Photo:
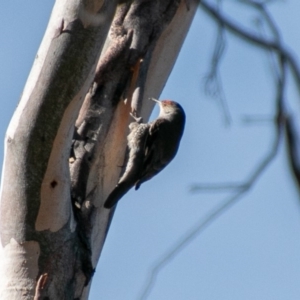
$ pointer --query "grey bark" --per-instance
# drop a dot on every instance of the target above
(67, 139)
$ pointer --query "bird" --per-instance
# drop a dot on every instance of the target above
(152, 146)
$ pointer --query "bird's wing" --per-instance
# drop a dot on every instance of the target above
(153, 159)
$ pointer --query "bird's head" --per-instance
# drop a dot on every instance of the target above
(168, 107)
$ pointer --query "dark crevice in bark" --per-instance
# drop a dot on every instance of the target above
(134, 33)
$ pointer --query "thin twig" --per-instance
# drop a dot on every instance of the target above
(261, 7)
(219, 187)
(267, 18)
(248, 36)
(213, 82)
(255, 119)
(293, 146)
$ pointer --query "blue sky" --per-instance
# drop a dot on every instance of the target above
(252, 250)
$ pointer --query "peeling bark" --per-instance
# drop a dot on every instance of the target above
(66, 142)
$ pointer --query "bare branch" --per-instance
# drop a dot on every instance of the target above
(213, 81)
(248, 36)
(261, 7)
(206, 187)
(293, 145)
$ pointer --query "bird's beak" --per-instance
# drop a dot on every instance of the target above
(155, 100)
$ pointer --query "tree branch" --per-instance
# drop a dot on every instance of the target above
(248, 36)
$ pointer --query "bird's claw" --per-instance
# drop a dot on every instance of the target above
(137, 119)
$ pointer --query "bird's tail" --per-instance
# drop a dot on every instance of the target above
(118, 192)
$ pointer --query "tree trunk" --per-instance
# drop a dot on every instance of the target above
(98, 61)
